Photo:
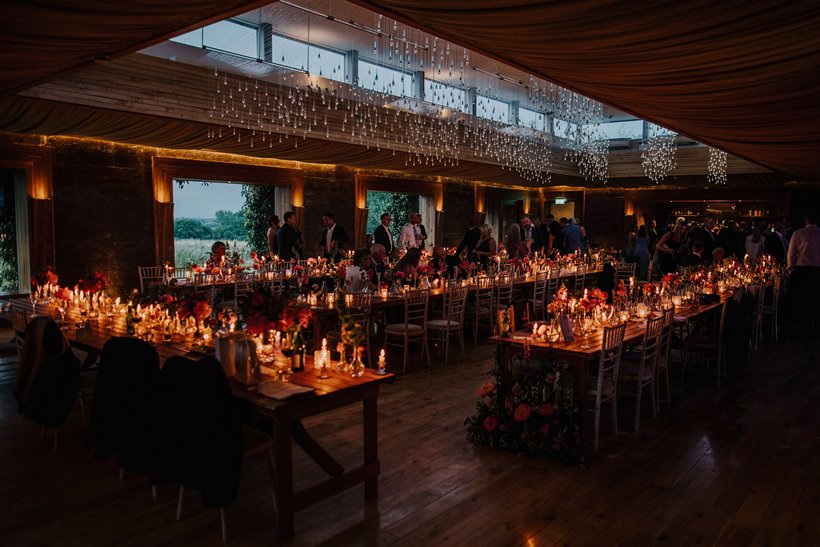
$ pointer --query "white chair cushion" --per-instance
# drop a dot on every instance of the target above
(399, 328)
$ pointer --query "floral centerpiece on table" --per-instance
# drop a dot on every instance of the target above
(262, 311)
(44, 282)
(93, 284)
(352, 335)
(527, 408)
(620, 292)
(594, 299)
(197, 307)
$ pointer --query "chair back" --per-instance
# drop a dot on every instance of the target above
(242, 287)
(539, 290)
(625, 270)
(19, 321)
(504, 290)
(553, 284)
(485, 292)
(666, 335)
(182, 273)
(148, 274)
(611, 348)
(455, 301)
(124, 404)
(415, 306)
(276, 285)
(580, 279)
(651, 343)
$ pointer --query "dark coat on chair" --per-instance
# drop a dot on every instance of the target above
(199, 443)
(123, 411)
(48, 376)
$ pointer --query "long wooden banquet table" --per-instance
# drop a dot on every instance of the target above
(328, 394)
(585, 350)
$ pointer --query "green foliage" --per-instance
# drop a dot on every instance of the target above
(8, 241)
(188, 228)
(397, 205)
(259, 206)
(230, 226)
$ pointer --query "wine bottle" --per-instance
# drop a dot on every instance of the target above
(129, 323)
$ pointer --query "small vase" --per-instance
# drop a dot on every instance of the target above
(356, 367)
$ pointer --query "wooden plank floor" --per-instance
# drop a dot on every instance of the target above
(736, 467)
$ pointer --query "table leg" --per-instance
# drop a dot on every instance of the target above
(284, 475)
(371, 445)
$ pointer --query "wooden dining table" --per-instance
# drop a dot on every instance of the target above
(328, 394)
(583, 351)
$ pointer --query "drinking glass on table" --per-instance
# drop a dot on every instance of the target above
(62, 309)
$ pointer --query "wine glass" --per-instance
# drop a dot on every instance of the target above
(62, 309)
(33, 298)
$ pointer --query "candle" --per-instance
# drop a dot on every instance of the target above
(642, 310)
(382, 363)
(534, 331)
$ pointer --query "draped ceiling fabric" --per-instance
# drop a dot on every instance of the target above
(41, 40)
(742, 75)
(739, 75)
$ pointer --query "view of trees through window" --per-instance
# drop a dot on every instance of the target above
(397, 205)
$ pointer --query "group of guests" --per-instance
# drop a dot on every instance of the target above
(285, 241)
(688, 245)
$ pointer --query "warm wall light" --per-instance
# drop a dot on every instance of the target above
(297, 196)
(526, 204)
(38, 187)
(479, 199)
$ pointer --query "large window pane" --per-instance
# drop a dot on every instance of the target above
(492, 109)
(233, 37)
(445, 95)
(631, 129)
(385, 80)
(532, 119)
(308, 57)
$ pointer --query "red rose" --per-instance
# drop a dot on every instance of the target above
(490, 424)
(545, 429)
(523, 412)
(545, 410)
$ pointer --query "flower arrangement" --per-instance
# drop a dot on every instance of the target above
(596, 298)
(649, 289)
(198, 307)
(513, 412)
(295, 316)
(46, 276)
(262, 311)
(93, 284)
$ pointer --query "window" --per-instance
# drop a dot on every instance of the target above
(445, 95)
(385, 80)
(305, 56)
(630, 129)
(492, 109)
(230, 36)
(532, 119)
(564, 129)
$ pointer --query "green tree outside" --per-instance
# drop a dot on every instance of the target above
(230, 226)
(398, 206)
(259, 206)
(188, 228)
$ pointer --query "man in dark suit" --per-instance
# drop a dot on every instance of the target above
(695, 258)
(470, 239)
(333, 239)
(382, 234)
(706, 235)
(290, 240)
(530, 235)
(776, 243)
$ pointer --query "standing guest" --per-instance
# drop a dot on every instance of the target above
(289, 238)
(755, 243)
(333, 238)
(776, 243)
(486, 247)
(556, 241)
(718, 254)
(706, 235)
(413, 234)
(515, 247)
(726, 237)
(378, 256)
(582, 232)
(530, 235)
(652, 232)
(382, 234)
(572, 236)
(470, 239)
(408, 263)
(803, 259)
(273, 228)
(667, 248)
(642, 251)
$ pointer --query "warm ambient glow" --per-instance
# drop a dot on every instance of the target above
(38, 187)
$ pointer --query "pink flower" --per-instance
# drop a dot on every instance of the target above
(523, 412)
(490, 424)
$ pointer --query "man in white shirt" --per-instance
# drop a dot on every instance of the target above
(803, 259)
(334, 237)
(412, 235)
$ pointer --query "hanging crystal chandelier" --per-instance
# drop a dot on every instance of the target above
(717, 166)
(658, 152)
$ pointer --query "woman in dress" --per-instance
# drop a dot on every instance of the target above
(513, 242)
(556, 241)
(357, 278)
(408, 263)
(273, 228)
(755, 243)
(486, 246)
(667, 248)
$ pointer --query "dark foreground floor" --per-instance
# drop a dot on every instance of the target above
(738, 467)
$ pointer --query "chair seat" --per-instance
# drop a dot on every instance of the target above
(631, 370)
(255, 441)
(399, 328)
(607, 387)
(443, 324)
